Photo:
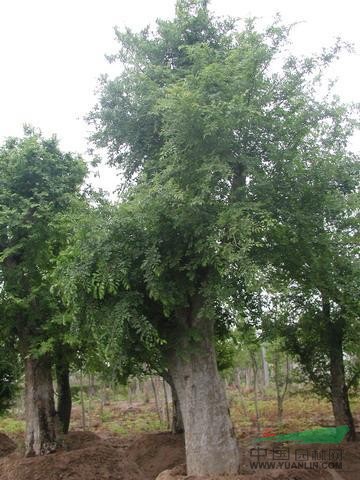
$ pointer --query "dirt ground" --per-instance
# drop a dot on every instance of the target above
(148, 456)
(86, 456)
(6, 445)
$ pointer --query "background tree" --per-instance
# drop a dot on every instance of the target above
(314, 248)
(280, 363)
(37, 184)
(296, 318)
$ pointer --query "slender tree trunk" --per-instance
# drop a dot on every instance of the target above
(210, 443)
(265, 367)
(247, 378)
(137, 388)
(241, 396)
(156, 399)
(277, 379)
(40, 436)
(177, 425)
(255, 371)
(83, 421)
(280, 402)
(64, 394)
(130, 390)
(90, 394)
(287, 379)
(339, 391)
(166, 404)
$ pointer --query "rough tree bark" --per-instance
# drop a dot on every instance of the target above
(339, 389)
(40, 436)
(339, 393)
(210, 443)
(64, 395)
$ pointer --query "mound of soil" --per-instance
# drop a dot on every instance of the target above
(99, 462)
(6, 445)
(155, 452)
(86, 456)
(78, 440)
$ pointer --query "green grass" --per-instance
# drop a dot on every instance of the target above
(11, 426)
(302, 411)
(105, 417)
(136, 423)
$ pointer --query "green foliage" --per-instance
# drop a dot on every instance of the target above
(12, 426)
(38, 183)
(9, 375)
(198, 109)
(100, 282)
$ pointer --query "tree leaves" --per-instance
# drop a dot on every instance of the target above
(37, 183)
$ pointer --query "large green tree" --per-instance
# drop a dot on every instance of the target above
(37, 184)
(200, 120)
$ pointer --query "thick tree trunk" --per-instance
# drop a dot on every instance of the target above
(40, 409)
(64, 395)
(339, 391)
(210, 443)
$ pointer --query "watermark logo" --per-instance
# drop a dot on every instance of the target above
(302, 458)
(319, 435)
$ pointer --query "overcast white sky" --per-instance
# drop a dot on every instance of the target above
(52, 51)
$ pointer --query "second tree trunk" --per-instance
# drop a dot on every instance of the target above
(339, 392)
(64, 395)
(338, 388)
(40, 409)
